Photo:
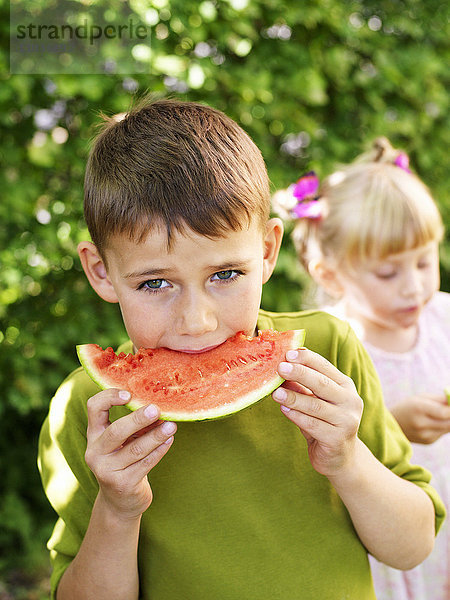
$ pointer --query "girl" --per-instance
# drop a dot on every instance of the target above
(370, 239)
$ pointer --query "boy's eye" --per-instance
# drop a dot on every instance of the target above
(224, 274)
(154, 284)
(229, 274)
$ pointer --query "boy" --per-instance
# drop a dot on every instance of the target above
(177, 204)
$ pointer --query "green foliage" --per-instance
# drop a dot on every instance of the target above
(312, 82)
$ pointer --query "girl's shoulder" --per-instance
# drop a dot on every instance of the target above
(434, 323)
(441, 298)
(439, 307)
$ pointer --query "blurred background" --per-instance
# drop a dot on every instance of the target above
(313, 83)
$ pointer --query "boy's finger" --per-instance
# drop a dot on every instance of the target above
(315, 361)
(121, 430)
(98, 408)
(139, 449)
(296, 387)
(305, 403)
(315, 373)
(141, 468)
(145, 430)
(321, 385)
(312, 428)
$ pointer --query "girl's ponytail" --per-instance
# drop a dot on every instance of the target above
(382, 151)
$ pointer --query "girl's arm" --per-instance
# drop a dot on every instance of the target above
(120, 455)
(393, 517)
(424, 418)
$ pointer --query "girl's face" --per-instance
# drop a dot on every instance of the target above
(390, 294)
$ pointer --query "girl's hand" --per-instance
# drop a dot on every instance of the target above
(120, 454)
(424, 418)
(324, 405)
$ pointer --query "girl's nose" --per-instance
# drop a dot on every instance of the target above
(411, 283)
(196, 315)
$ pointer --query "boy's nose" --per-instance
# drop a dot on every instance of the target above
(196, 315)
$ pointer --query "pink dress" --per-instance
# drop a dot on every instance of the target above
(425, 368)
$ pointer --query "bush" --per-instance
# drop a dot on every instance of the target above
(312, 83)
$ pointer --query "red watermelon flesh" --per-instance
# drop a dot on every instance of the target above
(194, 387)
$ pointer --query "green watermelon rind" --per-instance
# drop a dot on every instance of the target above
(447, 394)
(225, 410)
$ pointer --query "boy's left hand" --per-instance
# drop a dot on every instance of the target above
(324, 405)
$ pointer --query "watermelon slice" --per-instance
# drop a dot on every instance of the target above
(195, 387)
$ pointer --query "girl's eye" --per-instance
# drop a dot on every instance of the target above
(229, 275)
(385, 275)
(153, 285)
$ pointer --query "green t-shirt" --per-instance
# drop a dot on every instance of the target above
(238, 511)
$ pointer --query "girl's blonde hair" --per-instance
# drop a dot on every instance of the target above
(369, 209)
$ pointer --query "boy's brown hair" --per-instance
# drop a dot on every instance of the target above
(175, 164)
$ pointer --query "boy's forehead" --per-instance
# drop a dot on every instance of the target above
(186, 243)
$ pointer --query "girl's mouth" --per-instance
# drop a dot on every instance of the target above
(410, 309)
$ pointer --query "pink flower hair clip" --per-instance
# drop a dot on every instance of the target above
(402, 161)
(305, 192)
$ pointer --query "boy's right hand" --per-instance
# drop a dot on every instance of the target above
(424, 418)
(121, 454)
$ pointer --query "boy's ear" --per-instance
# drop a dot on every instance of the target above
(96, 272)
(326, 276)
(272, 244)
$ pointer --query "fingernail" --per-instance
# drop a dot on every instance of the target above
(285, 409)
(291, 354)
(168, 428)
(280, 394)
(124, 395)
(285, 368)
(151, 411)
